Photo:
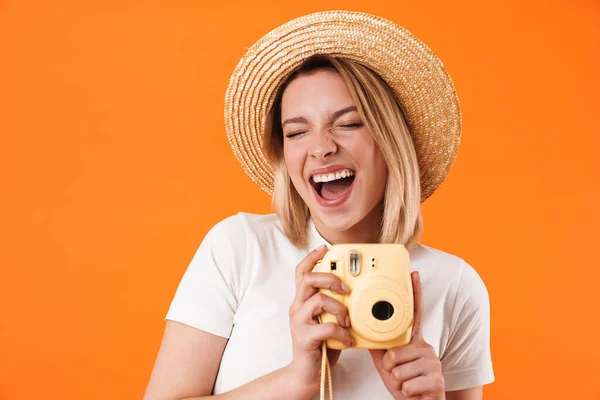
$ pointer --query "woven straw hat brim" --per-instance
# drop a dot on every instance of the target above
(416, 75)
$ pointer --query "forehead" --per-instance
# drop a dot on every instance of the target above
(321, 92)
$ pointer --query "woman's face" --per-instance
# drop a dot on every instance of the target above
(332, 158)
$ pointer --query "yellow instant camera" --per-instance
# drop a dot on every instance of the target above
(380, 302)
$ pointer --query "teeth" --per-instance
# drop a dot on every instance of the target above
(332, 176)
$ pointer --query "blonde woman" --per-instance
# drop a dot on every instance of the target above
(350, 123)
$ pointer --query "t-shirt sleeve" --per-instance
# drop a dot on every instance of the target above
(467, 360)
(206, 296)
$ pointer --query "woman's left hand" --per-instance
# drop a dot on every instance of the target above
(412, 371)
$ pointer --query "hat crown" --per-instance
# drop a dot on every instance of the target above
(415, 74)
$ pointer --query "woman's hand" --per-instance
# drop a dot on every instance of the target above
(412, 371)
(307, 332)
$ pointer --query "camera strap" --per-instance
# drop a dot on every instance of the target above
(325, 370)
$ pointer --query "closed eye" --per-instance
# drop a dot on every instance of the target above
(294, 134)
(352, 126)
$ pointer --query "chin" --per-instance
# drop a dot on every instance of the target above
(337, 221)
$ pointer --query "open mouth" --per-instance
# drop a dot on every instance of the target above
(333, 185)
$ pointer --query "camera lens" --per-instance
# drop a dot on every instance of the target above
(382, 310)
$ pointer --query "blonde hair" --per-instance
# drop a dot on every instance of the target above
(382, 114)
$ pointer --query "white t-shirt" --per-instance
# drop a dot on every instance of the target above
(240, 285)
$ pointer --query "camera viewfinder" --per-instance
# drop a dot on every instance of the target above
(354, 263)
(333, 265)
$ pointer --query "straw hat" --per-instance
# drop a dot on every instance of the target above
(415, 74)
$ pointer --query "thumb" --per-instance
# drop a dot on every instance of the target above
(417, 333)
(377, 355)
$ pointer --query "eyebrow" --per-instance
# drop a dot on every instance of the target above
(341, 112)
(334, 116)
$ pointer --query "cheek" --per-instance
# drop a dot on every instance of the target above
(369, 156)
(293, 161)
(288, 156)
(381, 166)
(380, 169)
(366, 151)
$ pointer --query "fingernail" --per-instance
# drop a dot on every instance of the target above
(347, 322)
(345, 288)
(320, 248)
(352, 343)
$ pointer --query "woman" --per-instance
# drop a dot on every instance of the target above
(359, 123)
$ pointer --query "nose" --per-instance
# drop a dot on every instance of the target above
(322, 146)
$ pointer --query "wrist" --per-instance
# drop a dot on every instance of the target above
(299, 389)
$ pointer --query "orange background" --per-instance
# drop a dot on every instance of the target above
(114, 164)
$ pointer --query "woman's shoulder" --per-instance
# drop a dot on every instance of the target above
(257, 222)
(245, 226)
(443, 266)
(428, 257)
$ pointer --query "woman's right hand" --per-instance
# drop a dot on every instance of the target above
(307, 332)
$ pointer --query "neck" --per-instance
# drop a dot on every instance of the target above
(368, 230)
